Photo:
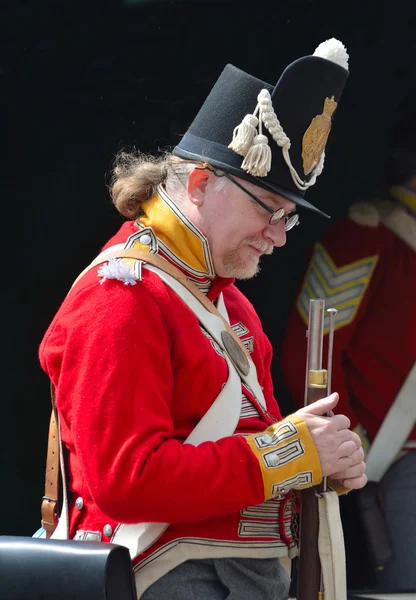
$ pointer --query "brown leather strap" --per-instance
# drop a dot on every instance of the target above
(49, 507)
(168, 268)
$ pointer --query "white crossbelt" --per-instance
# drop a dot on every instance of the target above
(394, 431)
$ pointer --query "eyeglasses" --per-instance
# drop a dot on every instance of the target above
(276, 215)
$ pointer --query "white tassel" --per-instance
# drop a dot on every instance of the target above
(244, 134)
(258, 160)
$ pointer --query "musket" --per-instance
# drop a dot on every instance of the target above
(309, 578)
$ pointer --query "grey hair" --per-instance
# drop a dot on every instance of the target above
(135, 177)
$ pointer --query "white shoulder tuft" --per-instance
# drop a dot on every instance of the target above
(333, 50)
(116, 268)
(364, 214)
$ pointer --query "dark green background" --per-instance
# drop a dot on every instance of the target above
(78, 81)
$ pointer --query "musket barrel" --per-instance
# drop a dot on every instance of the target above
(309, 583)
(314, 336)
(315, 333)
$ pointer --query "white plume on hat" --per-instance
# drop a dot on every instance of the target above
(333, 50)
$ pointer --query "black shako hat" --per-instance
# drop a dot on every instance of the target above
(273, 137)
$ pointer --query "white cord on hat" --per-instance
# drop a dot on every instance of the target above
(255, 146)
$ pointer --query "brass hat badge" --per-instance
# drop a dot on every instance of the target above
(315, 137)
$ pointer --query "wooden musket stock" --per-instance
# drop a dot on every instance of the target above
(317, 384)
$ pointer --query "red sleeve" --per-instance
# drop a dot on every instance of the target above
(116, 412)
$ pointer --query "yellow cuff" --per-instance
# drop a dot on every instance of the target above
(287, 457)
(337, 487)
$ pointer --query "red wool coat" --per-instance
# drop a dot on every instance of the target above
(134, 372)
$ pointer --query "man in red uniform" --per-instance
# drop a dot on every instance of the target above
(365, 266)
(176, 446)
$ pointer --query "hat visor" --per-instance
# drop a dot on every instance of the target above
(237, 172)
(289, 195)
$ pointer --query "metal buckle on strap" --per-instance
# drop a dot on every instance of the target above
(49, 513)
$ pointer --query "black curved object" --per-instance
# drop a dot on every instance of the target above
(40, 569)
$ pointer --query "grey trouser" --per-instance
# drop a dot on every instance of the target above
(398, 488)
(221, 579)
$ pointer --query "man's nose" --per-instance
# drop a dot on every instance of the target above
(276, 233)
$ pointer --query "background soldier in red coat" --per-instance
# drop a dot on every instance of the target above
(365, 266)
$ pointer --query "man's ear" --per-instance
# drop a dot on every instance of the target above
(197, 185)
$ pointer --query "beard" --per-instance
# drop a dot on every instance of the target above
(242, 262)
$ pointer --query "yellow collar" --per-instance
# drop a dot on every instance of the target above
(404, 196)
(175, 237)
